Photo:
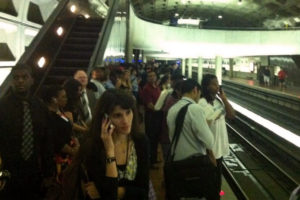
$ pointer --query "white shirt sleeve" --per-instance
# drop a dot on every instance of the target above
(161, 99)
(200, 127)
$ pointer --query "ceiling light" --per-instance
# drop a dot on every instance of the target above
(30, 32)
(220, 16)
(240, 2)
(189, 21)
(176, 14)
(59, 31)
(87, 16)
(73, 8)
(297, 19)
(41, 63)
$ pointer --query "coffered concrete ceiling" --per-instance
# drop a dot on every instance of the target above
(266, 14)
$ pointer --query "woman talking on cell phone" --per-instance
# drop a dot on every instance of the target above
(216, 107)
(115, 155)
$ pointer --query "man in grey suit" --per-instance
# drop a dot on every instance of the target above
(88, 99)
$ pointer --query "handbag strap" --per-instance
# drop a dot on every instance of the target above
(178, 128)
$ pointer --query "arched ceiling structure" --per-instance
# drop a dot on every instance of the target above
(236, 14)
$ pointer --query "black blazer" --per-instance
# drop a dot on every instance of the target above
(108, 187)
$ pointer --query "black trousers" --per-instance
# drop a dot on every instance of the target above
(153, 122)
(219, 173)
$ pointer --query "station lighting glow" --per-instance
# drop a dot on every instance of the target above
(73, 8)
(60, 31)
(220, 16)
(188, 21)
(30, 32)
(176, 14)
(278, 130)
(41, 62)
(87, 16)
(8, 27)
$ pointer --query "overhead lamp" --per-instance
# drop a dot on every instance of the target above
(59, 31)
(297, 19)
(41, 62)
(220, 16)
(188, 21)
(73, 8)
(31, 32)
(240, 2)
(87, 16)
(176, 14)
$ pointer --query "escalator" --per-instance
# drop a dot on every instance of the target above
(81, 47)
(76, 52)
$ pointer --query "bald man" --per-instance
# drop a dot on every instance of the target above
(88, 99)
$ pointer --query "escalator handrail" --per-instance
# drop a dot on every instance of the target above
(98, 53)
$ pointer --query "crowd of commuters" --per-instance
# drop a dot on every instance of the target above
(96, 125)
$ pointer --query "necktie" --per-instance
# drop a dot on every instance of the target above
(85, 106)
(27, 138)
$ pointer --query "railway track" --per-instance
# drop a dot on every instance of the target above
(257, 169)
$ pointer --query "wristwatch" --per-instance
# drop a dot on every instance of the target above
(110, 159)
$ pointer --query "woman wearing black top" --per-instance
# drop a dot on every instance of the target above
(116, 155)
(64, 145)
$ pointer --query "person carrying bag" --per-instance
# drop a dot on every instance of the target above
(194, 176)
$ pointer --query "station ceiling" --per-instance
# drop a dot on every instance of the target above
(257, 14)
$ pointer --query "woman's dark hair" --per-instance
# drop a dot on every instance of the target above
(163, 80)
(71, 87)
(206, 79)
(49, 92)
(106, 104)
(176, 88)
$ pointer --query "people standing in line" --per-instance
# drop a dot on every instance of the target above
(153, 118)
(267, 75)
(26, 147)
(65, 145)
(116, 155)
(97, 77)
(87, 99)
(134, 78)
(196, 137)
(170, 101)
(216, 107)
(72, 109)
(282, 75)
(166, 90)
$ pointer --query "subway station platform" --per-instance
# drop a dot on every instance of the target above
(157, 178)
(289, 90)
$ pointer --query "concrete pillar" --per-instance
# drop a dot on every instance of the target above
(200, 69)
(190, 68)
(183, 66)
(218, 69)
(231, 63)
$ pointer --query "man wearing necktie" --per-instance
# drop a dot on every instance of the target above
(87, 99)
(25, 143)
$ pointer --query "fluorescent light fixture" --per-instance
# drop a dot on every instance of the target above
(31, 32)
(297, 19)
(4, 73)
(189, 21)
(220, 16)
(60, 31)
(278, 130)
(7, 64)
(41, 62)
(73, 8)
(8, 27)
(87, 16)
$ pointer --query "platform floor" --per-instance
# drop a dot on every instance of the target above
(289, 90)
(156, 176)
